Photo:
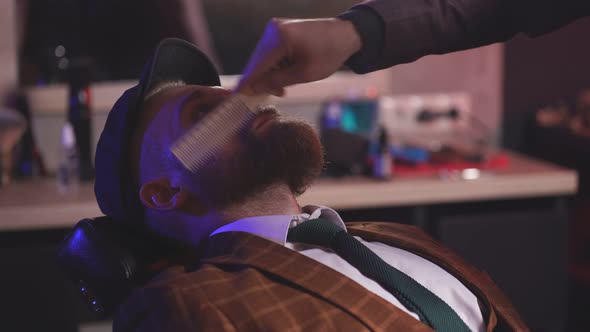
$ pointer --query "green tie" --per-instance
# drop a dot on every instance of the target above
(415, 297)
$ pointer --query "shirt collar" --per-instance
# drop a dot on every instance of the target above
(275, 227)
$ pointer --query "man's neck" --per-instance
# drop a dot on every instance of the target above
(273, 200)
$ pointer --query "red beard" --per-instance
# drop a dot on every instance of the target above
(289, 152)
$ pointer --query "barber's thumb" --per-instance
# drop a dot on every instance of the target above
(277, 81)
(268, 83)
(253, 87)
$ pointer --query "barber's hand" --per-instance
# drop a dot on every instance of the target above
(293, 51)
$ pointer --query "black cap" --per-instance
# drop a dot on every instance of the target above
(116, 193)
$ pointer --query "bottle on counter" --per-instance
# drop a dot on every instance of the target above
(382, 158)
(68, 168)
(80, 114)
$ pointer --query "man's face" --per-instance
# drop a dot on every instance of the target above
(269, 150)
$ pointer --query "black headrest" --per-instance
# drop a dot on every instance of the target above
(107, 260)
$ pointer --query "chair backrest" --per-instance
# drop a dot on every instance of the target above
(107, 261)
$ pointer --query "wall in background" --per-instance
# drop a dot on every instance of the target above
(8, 59)
(477, 72)
(505, 80)
(543, 70)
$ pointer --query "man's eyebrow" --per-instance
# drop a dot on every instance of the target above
(181, 111)
(195, 94)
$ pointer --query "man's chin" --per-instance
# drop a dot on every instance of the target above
(295, 151)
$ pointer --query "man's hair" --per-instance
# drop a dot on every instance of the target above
(161, 87)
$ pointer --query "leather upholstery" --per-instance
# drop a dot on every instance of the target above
(107, 260)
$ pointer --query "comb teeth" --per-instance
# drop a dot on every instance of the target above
(203, 141)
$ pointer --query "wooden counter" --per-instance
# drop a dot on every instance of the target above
(524, 177)
(37, 205)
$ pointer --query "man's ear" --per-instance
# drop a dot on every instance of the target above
(160, 195)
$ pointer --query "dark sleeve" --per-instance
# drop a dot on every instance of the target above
(371, 29)
(401, 31)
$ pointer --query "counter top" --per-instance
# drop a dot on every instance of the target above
(524, 177)
(37, 205)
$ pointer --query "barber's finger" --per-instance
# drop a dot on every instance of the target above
(268, 54)
(263, 87)
(279, 92)
(263, 81)
(291, 75)
(260, 64)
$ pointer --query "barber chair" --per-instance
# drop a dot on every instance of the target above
(107, 260)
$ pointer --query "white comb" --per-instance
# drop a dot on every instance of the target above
(207, 137)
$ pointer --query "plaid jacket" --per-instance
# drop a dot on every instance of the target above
(247, 283)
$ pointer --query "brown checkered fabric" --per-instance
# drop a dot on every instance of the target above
(247, 283)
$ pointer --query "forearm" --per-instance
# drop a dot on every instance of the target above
(407, 30)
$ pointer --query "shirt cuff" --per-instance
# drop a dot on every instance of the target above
(371, 29)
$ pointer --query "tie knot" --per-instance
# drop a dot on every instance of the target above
(318, 232)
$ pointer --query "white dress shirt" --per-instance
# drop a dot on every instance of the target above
(428, 274)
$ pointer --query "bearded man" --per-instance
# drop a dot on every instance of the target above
(266, 264)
